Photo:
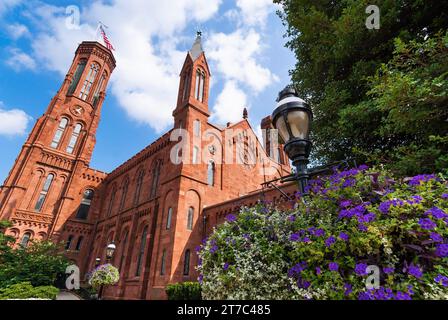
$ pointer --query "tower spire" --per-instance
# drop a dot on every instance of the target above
(196, 49)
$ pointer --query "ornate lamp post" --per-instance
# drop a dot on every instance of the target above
(110, 250)
(292, 119)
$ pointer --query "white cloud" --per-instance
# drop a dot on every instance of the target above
(7, 5)
(144, 33)
(235, 55)
(255, 12)
(19, 60)
(17, 31)
(230, 103)
(13, 122)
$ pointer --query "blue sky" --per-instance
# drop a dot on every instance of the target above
(243, 42)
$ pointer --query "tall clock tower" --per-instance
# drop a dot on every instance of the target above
(40, 190)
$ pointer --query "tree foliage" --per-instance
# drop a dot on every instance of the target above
(379, 94)
(39, 263)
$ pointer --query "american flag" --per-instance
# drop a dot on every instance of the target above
(105, 39)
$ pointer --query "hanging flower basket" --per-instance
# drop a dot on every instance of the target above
(105, 274)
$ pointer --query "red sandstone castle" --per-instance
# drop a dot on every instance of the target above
(156, 210)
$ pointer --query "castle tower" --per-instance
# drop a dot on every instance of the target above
(192, 100)
(58, 149)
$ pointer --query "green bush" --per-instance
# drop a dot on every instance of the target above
(39, 263)
(25, 290)
(184, 291)
(353, 221)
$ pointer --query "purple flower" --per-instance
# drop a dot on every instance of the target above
(443, 280)
(198, 248)
(333, 266)
(444, 196)
(417, 180)
(437, 213)
(318, 270)
(214, 248)
(297, 268)
(369, 217)
(436, 237)
(349, 183)
(348, 289)
(360, 269)
(345, 203)
(306, 239)
(226, 266)
(402, 296)
(319, 232)
(384, 206)
(343, 236)
(442, 250)
(426, 223)
(294, 237)
(330, 240)
(362, 227)
(415, 271)
(231, 217)
(388, 270)
(415, 199)
(292, 218)
(363, 167)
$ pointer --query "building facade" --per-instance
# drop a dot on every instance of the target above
(157, 206)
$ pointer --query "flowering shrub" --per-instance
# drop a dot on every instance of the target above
(105, 274)
(322, 250)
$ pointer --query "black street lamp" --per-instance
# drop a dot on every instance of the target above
(110, 249)
(292, 119)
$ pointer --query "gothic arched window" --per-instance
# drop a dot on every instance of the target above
(88, 82)
(199, 88)
(83, 210)
(111, 201)
(163, 263)
(187, 262)
(168, 218)
(124, 194)
(59, 132)
(77, 75)
(123, 249)
(74, 138)
(142, 251)
(211, 173)
(44, 192)
(197, 128)
(138, 188)
(25, 239)
(79, 243)
(155, 179)
(68, 244)
(186, 89)
(96, 95)
(195, 155)
(190, 217)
